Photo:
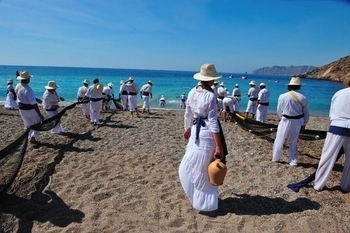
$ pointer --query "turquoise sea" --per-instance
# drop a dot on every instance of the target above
(168, 83)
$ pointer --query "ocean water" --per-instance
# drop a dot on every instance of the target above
(168, 83)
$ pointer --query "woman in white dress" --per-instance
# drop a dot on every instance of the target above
(204, 141)
(10, 102)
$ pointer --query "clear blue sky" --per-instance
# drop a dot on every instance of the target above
(237, 36)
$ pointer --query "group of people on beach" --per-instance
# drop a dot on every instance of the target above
(206, 142)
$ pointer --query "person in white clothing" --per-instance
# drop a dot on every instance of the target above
(132, 89)
(27, 104)
(204, 141)
(162, 101)
(253, 97)
(146, 94)
(183, 99)
(293, 110)
(236, 93)
(108, 95)
(228, 104)
(123, 95)
(10, 101)
(262, 103)
(94, 94)
(50, 104)
(338, 136)
(222, 93)
(80, 95)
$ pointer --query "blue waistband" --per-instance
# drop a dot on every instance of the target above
(199, 121)
(339, 131)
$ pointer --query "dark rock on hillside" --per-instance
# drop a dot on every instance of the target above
(284, 70)
(335, 71)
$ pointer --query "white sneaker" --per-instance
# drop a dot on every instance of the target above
(293, 163)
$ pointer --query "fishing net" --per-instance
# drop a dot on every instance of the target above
(266, 129)
(11, 157)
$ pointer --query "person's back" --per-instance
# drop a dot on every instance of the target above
(339, 113)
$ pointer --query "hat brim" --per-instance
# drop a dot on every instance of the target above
(199, 76)
(20, 78)
(51, 88)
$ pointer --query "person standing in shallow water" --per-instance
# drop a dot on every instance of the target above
(27, 104)
(203, 142)
(293, 110)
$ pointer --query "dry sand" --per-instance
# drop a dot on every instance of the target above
(122, 176)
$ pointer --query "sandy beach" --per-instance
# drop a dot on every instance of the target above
(122, 176)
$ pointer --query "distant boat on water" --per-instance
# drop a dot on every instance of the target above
(245, 76)
(230, 76)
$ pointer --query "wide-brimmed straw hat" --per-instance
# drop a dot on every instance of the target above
(110, 84)
(131, 78)
(207, 73)
(51, 85)
(222, 84)
(98, 87)
(294, 81)
(23, 75)
(262, 85)
(150, 82)
(237, 85)
(252, 83)
(10, 81)
(346, 82)
(86, 81)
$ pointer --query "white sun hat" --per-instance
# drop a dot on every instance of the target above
(207, 73)
(23, 75)
(262, 85)
(51, 85)
(110, 84)
(294, 81)
(86, 81)
(252, 83)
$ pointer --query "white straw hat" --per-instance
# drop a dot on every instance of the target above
(252, 83)
(131, 78)
(262, 85)
(98, 87)
(222, 84)
(110, 84)
(237, 85)
(207, 73)
(51, 85)
(294, 81)
(10, 81)
(86, 81)
(23, 75)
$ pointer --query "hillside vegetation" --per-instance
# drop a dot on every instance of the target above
(335, 71)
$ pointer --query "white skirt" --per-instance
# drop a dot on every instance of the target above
(193, 171)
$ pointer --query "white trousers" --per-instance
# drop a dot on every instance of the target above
(124, 101)
(236, 106)
(58, 128)
(95, 111)
(251, 107)
(331, 147)
(132, 102)
(287, 128)
(30, 117)
(86, 109)
(261, 113)
(145, 102)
